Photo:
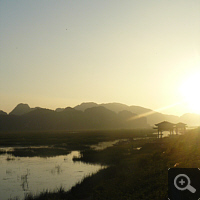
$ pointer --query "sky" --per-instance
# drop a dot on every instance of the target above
(60, 53)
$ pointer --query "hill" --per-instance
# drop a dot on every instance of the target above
(71, 119)
(2, 112)
(84, 106)
(88, 116)
(20, 109)
(191, 119)
(152, 116)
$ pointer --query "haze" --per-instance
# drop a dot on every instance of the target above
(61, 53)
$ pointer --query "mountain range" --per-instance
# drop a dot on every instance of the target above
(88, 115)
(22, 117)
(152, 117)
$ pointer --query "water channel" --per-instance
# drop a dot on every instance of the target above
(22, 175)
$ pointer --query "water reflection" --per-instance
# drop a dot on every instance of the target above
(104, 145)
(23, 175)
(24, 181)
(56, 170)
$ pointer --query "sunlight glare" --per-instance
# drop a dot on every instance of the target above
(190, 92)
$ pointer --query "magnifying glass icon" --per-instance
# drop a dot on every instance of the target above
(182, 182)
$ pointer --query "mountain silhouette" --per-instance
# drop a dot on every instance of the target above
(130, 120)
(2, 112)
(100, 117)
(191, 119)
(59, 109)
(84, 106)
(20, 109)
(116, 107)
(152, 116)
(71, 119)
(88, 116)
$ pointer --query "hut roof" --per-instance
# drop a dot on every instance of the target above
(180, 124)
(165, 123)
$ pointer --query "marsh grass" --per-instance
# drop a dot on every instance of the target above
(141, 174)
(45, 195)
(2, 152)
(68, 138)
(9, 158)
(131, 174)
(62, 142)
(41, 152)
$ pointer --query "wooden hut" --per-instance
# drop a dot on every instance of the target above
(168, 126)
(180, 127)
(164, 126)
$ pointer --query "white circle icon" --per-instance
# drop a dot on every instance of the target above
(182, 182)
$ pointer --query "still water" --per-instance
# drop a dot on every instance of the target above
(104, 145)
(22, 175)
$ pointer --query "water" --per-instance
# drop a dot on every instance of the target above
(104, 145)
(165, 134)
(22, 175)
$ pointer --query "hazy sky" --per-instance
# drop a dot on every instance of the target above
(59, 53)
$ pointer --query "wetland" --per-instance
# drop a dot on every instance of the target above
(135, 158)
(34, 162)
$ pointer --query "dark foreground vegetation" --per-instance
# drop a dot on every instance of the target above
(133, 174)
(52, 143)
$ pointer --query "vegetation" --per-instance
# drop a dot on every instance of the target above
(52, 143)
(42, 152)
(133, 174)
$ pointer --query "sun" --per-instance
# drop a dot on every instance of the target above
(190, 90)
